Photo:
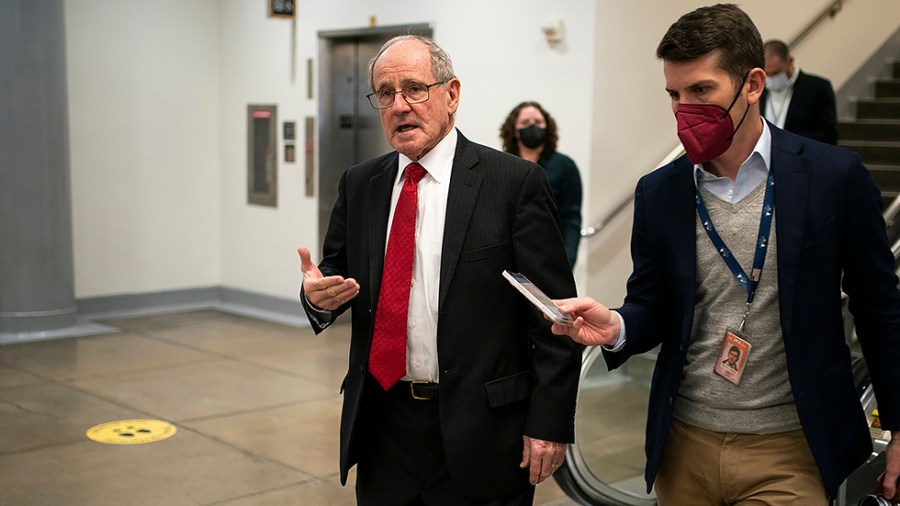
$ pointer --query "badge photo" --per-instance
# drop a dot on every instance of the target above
(733, 357)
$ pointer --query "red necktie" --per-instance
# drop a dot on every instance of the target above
(387, 360)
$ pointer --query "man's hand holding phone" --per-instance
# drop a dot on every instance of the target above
(594, 323)
(538, 298)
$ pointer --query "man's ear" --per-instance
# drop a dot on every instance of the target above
(453, 88)
(756, 81)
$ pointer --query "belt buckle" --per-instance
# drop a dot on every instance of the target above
(412, 390)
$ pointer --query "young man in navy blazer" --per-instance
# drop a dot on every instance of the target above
(747, 241)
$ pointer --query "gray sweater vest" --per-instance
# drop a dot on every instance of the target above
(762, 403)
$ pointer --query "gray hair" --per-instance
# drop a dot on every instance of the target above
(441, 66)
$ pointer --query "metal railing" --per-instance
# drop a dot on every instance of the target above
(890, 213)
(625, 202)
(890, 217)
(830, 11)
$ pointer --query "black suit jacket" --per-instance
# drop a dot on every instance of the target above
(502, 372)
(830, 234)
(811, 112)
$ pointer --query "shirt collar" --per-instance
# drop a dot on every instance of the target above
(762, 152)
(438, 162)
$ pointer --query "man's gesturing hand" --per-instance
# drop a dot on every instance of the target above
(324, 292)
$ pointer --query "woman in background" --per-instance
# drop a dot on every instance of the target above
(530, 132)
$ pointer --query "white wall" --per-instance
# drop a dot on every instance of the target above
(143, 115)
(499, 54)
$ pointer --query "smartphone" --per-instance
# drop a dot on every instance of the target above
(538, 298)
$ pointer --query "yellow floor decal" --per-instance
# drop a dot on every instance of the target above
(131, 432)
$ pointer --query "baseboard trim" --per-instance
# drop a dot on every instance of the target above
(228, 300)
(262, 307)
(148, 303)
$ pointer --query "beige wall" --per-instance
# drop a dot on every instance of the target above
(634, 128)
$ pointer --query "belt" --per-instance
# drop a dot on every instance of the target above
(420, 390)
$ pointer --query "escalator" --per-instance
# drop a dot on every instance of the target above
(605, 466)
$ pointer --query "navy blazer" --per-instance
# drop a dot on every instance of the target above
(502, 372)
(830, 235)
(812, 111)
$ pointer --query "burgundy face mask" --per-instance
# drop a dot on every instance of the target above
(706, 130)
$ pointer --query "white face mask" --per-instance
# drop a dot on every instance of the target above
(778, 82)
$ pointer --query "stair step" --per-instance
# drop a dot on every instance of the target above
(887, 177)
(875, 152)
(896, 70)
(884, 108)
(870, 129)
(887, 88)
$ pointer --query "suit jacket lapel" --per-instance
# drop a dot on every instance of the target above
(464, 187)
(380, 189)
(792, 178)
(683, 233)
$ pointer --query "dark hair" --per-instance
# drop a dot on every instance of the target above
(778, 48)
(441, 65)
(736, 350)
(724, 28)
(508, 129)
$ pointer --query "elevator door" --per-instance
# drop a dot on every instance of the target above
(349, 128)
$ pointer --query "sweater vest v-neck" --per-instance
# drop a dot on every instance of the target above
(763, 402)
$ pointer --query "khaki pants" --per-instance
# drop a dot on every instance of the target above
(699, 466)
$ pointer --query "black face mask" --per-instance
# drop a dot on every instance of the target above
(532, 136)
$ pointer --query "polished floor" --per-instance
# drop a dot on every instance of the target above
(256, 407)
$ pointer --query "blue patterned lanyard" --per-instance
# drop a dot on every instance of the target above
(749, 283)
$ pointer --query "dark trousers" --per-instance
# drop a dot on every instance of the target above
(402, 462)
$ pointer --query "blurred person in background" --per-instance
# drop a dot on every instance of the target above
(530, 132)
(798, 102)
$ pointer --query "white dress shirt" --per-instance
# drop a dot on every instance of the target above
(751, 174)
(431, 209)
(421, 336)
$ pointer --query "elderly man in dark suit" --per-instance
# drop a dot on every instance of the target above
(457, 392)
(796, 101)
(747, 240)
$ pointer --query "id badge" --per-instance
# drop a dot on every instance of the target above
(733, 357)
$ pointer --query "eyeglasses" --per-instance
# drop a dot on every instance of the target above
(413, 94)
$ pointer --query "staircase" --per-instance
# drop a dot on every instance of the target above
(875, 134)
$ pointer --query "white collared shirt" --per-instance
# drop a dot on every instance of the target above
(751, 174)
(753, 171)
(421, 337)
